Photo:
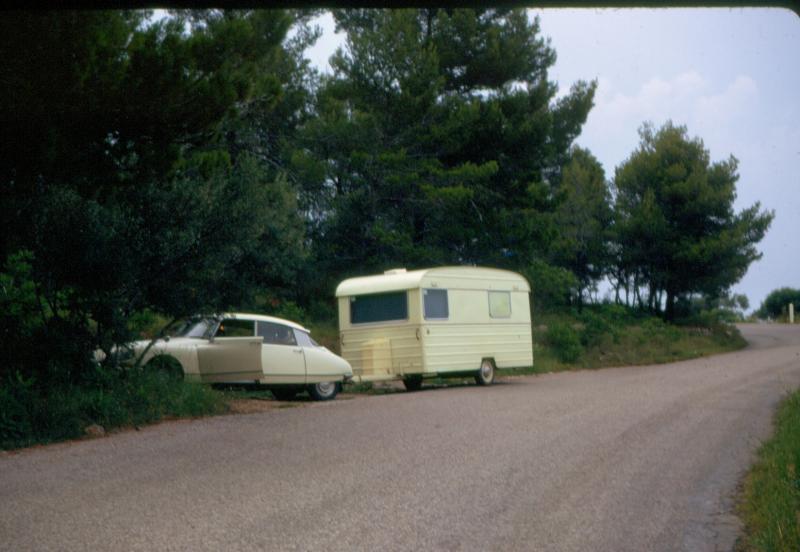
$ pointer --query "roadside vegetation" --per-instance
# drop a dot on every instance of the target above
(33, 414)
(611, 335)
(771, 498)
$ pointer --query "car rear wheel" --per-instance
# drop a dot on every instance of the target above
(324, 391)
(485, 375)
(283, 393)
(413, 383)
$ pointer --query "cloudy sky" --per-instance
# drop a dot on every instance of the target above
(731, 75)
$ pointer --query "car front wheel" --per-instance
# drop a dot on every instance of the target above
(324, 391)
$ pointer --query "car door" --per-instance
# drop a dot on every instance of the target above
(282, 358)
(233, 355)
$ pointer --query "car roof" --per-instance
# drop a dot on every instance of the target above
(263, 318)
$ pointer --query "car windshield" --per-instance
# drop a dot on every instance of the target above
(197, 327)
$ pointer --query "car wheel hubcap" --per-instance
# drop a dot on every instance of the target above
(326, 388)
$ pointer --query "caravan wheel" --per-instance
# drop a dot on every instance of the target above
(485, 375)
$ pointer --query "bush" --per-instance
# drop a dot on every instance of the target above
(596, 328)
(552, 286)
(31, 414)
(565, 342)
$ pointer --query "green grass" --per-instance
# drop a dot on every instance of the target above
(771, 496)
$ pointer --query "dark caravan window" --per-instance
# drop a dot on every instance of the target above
(435, 304)
(379, 307)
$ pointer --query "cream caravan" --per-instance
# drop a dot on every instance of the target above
(454, 320)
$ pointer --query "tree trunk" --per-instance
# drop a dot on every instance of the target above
(669, 315)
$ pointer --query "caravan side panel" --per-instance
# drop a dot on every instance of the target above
(471, 334)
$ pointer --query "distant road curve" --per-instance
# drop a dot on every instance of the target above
(637, 458)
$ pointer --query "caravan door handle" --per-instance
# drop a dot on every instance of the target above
(418, 334)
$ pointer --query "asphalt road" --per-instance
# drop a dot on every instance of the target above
(644, 458)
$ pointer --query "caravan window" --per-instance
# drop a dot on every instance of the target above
(379, 307)
(499, 304)
(435, 304)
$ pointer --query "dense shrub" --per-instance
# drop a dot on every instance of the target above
(596, 328)
(565, 342)
(31, 413)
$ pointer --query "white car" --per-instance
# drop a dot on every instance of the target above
(249, 348)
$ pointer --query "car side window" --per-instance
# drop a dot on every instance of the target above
(303, 339)
(276, 334)
(232, 327)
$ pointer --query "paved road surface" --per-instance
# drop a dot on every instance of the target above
(619, 459)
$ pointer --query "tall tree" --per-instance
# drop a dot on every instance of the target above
(439, 140)
(583, 218)
(675, 220)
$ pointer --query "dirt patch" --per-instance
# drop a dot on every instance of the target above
(252, 406)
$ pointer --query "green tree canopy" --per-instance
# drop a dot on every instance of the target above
(583, 218)
(129, 169)
(777, 302)
(675, 221)
(438, 140)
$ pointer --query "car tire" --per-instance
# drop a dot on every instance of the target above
(485, 375)
(283, 393)
(324, 391)
(413, 383)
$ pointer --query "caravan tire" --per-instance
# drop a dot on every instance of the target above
(485, 375)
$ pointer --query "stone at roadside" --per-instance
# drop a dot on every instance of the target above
(95, 430)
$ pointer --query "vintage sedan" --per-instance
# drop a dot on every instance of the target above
(249, 348)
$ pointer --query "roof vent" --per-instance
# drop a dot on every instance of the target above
(396, 271)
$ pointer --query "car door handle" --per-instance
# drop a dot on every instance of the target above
(297, 350)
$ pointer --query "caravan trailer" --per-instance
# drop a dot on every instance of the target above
(445, 321)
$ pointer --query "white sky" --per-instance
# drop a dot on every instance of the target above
(731, 75)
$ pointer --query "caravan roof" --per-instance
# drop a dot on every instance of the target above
(453, 277)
